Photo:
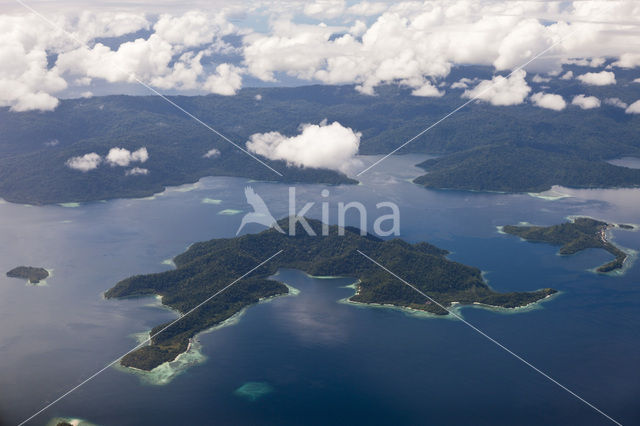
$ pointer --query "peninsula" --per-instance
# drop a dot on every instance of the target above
(34, 275)
(208, 267)
(579, 234)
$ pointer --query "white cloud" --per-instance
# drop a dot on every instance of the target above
(628, 60)
(123, 157)
(407, 42)
(328, 146)
(194, 28)
(366, 8)
(539, 79)
(170, 58)
(463, 83)
(586, 62)
(212, 153)
(586, 102)
(616, 102)
(116, 157)
(634, 108)
(108, 24)
(602, 78)
(567, 76)
(411, 41)
(637, 80)
(427, 90)
(501, 90)
(226, 81)
(26, 83)
(84, 163)
(136, 171)
(549, 101)
(322, 9)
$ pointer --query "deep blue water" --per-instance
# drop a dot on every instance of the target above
(326, 362)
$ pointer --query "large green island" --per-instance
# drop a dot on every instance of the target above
(579, 234)
(509, 168)
(207, 267)
(484, 147)
(34, 275)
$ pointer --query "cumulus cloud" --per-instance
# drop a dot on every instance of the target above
(136, 171)
(410, 41)
(84, 163)
(501, 90)
(616, 102)
(212, 153)
(549, 101)
(123, 157)
(586, 102)
(628, 60)
(328, 146)
(463, 83)
(170, 58)
(586, 62)
(602, 78)
(567, 76)
(368, 43)
(634, 108)
(226, 81)
(328, 9)
(27, 81)
(366, 8)
(539, 79)
(427, 90)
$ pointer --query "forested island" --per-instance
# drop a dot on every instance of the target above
(33, 274)
(483, 147)
(511, 168)
(579, 234)
(207, 267)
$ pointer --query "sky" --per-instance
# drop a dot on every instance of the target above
(82, 49)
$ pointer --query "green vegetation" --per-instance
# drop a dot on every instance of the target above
(580, 234)
(207, 267)
(34, 275)
(510, 168)
(484, 147)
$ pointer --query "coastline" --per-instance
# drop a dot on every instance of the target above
(607, 237)
(164, 373)
(455, 307)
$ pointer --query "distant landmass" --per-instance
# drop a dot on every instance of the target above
(510, 168)
(579, 234)
(34, 275)
(482, 147)
(207, 267)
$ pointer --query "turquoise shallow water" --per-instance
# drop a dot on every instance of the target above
(324, 362)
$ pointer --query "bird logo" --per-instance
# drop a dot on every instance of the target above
(260, 214)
